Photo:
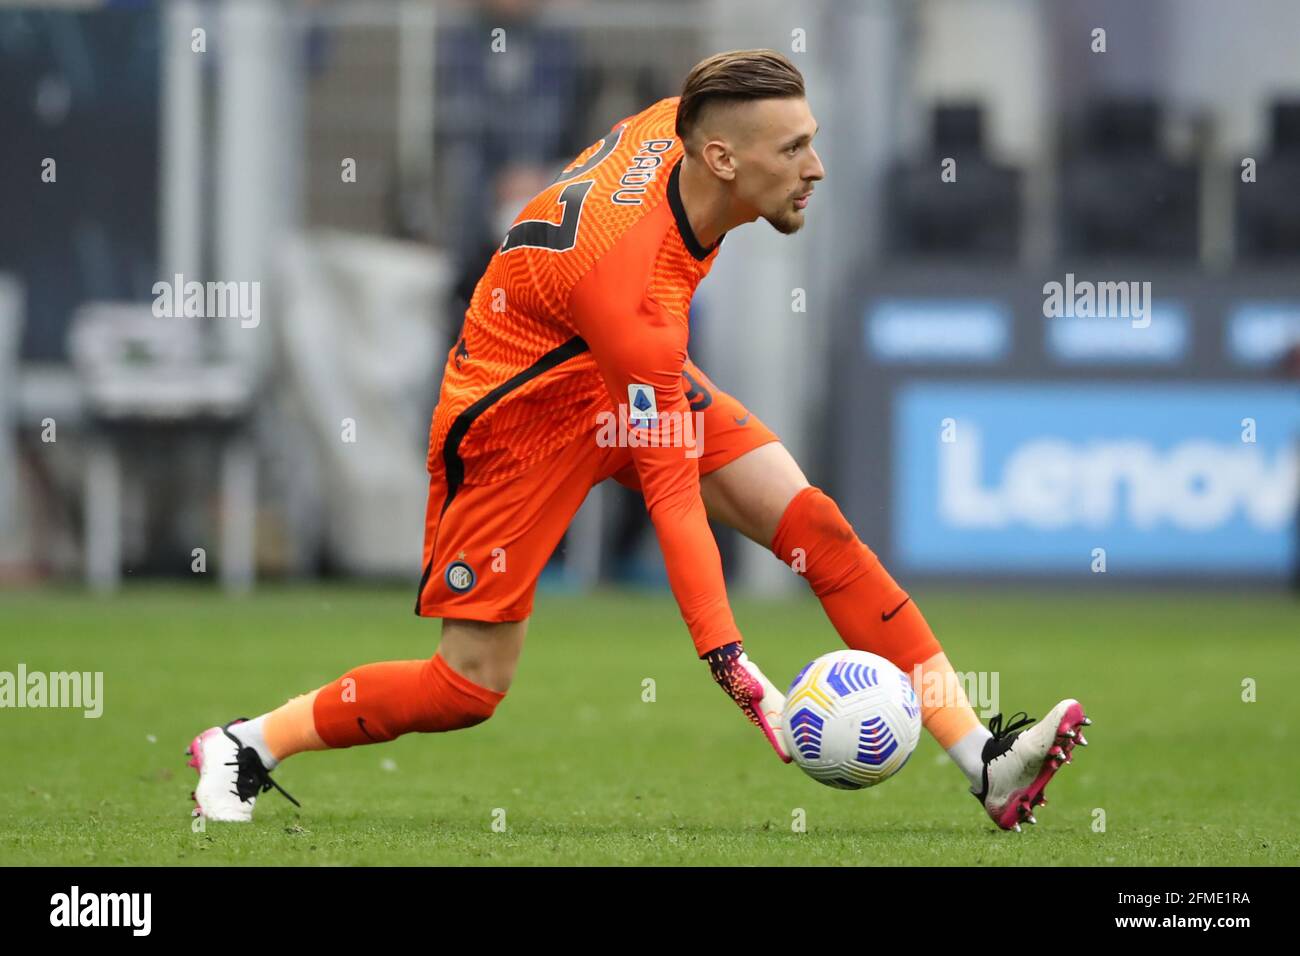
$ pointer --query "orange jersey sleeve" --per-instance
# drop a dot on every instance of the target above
(518, 320)
(588, 296)
(630, 308)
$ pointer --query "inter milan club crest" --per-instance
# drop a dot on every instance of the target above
(460, 576)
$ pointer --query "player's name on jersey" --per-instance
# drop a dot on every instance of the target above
(641, 172)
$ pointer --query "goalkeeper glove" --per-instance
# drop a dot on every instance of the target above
(744, 683)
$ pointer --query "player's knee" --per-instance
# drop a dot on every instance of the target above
(817, 541)
(470, 714)
(456, 700)
(485, 653)
(826, 520)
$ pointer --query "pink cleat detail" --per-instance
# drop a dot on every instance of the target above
(1033, 756)
(195, 752)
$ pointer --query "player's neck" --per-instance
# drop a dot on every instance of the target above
(707, 205)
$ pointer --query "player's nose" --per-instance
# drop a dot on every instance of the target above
(816, 171)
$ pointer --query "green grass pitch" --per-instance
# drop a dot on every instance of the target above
(586, 772)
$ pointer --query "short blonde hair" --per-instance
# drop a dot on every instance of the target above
(735, 77)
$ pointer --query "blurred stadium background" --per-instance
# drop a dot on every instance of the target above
(290, 444)
(127, 440)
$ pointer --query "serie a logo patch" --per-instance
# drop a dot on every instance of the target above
(460, 577)
(641, 400)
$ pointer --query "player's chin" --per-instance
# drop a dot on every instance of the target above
(787, 222)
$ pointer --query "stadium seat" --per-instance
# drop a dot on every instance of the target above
(1121, 193)
(976, 215)
(1268, 209)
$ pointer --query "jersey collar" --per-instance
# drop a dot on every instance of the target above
(679, 213)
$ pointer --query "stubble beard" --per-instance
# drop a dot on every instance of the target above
(787, 223)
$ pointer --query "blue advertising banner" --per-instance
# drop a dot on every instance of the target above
(1260, 332)
(1164, 339)
(938, 330)
(1016, 477)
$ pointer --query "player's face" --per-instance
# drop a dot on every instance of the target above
(776, 164)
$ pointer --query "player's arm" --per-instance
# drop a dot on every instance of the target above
(645, 348)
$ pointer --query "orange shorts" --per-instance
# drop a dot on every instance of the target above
(486, 548)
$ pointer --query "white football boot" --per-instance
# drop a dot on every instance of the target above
(1019, 763)
(230, 776)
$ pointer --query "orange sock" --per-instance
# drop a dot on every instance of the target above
(865, 605)
(377, 702)
(945, 710)
(290, 728)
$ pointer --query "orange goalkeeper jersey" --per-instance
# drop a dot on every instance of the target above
(587, 297)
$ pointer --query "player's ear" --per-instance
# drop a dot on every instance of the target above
(719, 158)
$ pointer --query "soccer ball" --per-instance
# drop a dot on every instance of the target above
(851, 719)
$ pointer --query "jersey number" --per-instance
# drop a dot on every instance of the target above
(544, 234)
